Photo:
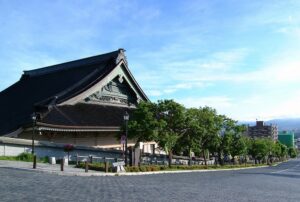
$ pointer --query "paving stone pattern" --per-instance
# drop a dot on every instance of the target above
(45, 167)
(279, 183)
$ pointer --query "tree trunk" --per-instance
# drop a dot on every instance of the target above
(170, 158)
(190, 157)
(220, 158)
(204, 156)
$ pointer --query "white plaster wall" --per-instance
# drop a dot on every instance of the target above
(2, 150)
(14, 150)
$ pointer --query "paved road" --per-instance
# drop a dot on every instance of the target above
(281, 183)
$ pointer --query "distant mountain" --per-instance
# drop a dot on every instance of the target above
(283, 124)
(289, 124)
(286, 124)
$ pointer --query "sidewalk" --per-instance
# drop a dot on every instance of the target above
(45, 167)
(71, 171)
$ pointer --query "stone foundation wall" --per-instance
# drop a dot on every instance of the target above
(16, 146)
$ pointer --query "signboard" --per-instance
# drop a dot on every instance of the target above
(120, 163)
(119, 166)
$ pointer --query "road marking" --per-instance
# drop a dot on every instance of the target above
(280, 171)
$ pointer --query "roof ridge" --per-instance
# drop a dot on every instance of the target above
(72, 64)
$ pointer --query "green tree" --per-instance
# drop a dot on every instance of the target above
(143, 124)
(187, 142)
(225, 146)
(233, 142)
(239, 146)
(171, 117)
(284, 152)
(162, 122)
(277, 150)
(259, 149)
(292, 152)
(204, 127)
(270, 149)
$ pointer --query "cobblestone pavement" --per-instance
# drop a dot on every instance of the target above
(46, 167)
(280, 183)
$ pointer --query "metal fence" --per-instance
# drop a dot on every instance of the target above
(95, 159)
(176, 160)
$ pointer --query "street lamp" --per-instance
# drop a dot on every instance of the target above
(126, 118)
(33, 117)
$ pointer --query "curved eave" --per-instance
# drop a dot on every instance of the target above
(15, 133)
(64, 128)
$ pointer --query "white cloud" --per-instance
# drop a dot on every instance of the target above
(154, 93)
(218, 102)
(279, 70)
(183, 86)
(175, 75)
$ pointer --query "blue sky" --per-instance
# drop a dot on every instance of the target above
(238, 56)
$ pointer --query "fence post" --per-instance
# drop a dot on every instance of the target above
(34, 161)
(62, 164)
(86, 166)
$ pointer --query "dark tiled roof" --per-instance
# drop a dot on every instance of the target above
(86, 115)
(42, 85)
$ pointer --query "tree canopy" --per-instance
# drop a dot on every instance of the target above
(179, 130)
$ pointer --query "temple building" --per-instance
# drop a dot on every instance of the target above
(81, 102)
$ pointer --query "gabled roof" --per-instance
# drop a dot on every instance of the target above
(51, 85)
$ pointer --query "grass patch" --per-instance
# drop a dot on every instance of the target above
(27, 157)
(151, 168)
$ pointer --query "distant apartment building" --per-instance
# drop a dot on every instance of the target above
(263, 130)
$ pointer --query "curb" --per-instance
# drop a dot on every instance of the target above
(63, 173)
(184, 171)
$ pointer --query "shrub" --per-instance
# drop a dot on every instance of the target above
(25, 157)
(292, 152)
(143, 168)
(150, 168)
(163, 167)
(44, 159)
(94, 166)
